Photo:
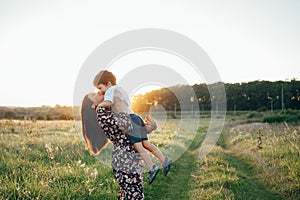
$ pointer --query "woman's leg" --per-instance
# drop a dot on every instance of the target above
(144, 154)
(131, 185)
(154, 150)
(121, 194)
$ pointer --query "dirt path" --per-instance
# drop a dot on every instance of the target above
(248, 187)
(176, 185)
(187, 176)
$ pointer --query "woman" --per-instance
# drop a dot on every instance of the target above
(126, 162)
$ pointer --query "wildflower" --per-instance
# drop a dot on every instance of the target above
(50, 150)
(94, 173)
(82, 165)
(91, 190)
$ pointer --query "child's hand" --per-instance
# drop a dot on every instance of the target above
(147, 120)
(150, 123)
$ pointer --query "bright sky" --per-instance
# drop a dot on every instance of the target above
(43, 44)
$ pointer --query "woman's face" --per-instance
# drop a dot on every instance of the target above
(98, 98)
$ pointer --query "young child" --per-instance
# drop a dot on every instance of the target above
(116, 98)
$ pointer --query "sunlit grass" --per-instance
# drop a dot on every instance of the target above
(49, 163)
(277, 162)
(48, 160)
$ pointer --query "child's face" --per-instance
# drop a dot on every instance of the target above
(103, 87)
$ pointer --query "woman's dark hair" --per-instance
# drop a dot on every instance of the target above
(94, 137)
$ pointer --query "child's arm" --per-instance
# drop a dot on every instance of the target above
(108, 98)
(105, 104)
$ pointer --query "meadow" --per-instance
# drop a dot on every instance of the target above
(48, 160)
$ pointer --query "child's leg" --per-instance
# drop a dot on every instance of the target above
(154, 150)
(144, 154)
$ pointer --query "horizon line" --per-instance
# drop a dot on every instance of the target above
(55, 104)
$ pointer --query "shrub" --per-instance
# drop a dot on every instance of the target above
(10, 115)
(254, 115)
(282, 118)
(289, 112)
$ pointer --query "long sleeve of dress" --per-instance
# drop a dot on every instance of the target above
(118, 121)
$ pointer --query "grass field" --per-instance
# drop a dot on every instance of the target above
(48, 160)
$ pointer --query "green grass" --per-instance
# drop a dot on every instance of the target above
(50, 164)
(178, 183)
(225, 176)
(274, 167)
(47, 160)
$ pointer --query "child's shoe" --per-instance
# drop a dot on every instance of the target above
(166, 166)
(152, 174)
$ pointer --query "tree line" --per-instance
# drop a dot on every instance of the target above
(57, 112)
(250, 96)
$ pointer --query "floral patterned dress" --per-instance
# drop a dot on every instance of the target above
(126, 162)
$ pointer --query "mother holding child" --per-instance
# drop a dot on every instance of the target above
(110, 106)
